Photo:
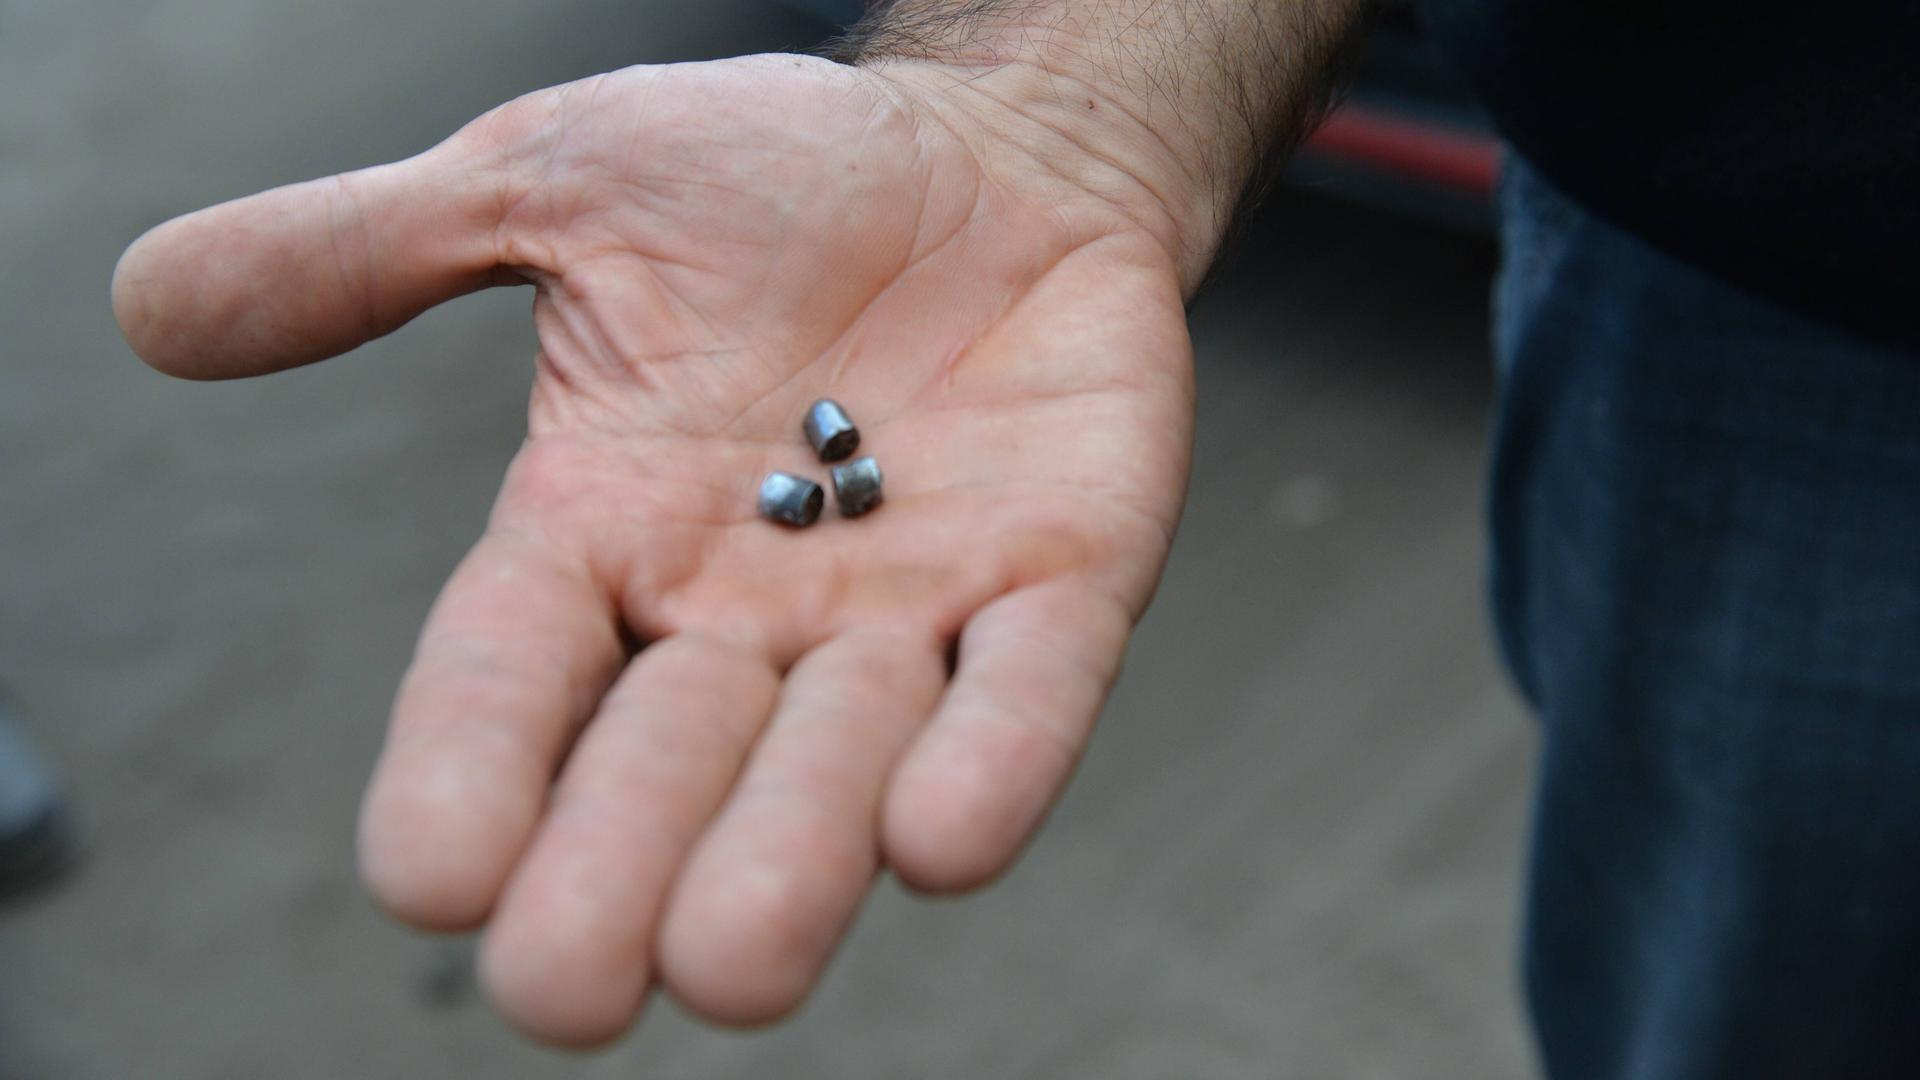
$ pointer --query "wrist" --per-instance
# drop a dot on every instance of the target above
(1164, 108)
(1065, 131)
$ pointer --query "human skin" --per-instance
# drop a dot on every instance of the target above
(647, 739)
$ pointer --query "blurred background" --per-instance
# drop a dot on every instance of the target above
(1292, 851)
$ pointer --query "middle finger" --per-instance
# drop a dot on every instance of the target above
(779, 875)
(567, 956)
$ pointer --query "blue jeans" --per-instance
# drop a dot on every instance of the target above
(1705, 517)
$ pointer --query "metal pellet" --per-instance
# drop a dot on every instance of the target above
(856, 486)
(790, 500)
(830, 431)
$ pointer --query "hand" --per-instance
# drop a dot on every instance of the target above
(648, 737)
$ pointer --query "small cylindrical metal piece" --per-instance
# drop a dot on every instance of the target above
(790, 499)
(856, 486)
(830, 431)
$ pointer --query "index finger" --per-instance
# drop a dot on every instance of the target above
(518, 651)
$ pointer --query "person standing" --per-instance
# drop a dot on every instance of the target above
(978, 233)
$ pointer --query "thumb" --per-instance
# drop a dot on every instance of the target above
(301, 273)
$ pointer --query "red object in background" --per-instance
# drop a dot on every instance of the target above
(1467, 161)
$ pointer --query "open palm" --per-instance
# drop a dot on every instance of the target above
(649, 738)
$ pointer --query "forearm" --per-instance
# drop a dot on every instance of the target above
(1182, 97)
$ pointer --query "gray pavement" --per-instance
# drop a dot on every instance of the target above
(1292, 851)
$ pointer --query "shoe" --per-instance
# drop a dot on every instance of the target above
(36, 842)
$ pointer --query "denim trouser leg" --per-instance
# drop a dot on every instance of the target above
(1706, 574)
